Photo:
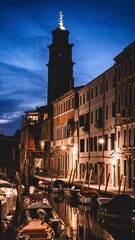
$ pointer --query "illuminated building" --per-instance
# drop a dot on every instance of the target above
(87, 127)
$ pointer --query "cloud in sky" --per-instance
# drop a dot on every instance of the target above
(98, 29)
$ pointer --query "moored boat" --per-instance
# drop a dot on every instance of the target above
(44, 211)
(102, 200)
(58, 186)
(8, 197)
(88, 195)
(120, 208)
(35, 229)
(44, 185)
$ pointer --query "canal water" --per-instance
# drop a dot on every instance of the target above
(83, 223)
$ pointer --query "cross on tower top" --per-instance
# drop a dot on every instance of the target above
(60, 25)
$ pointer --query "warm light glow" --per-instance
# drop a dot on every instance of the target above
(101, 140)
(63, 147)
(42, 145)
(113, 161)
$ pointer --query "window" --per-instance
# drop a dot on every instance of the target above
(87, 145)
(96, 169)
(81, 120)
(101, 88)
(96, 115)
(80, 100)
(118, 102)
(125, 97)
(68, 103)
(95, 143)
(100, 117)
(119, 73)
(106, 85)
(106, 112)
(113, 109)
(114, 80)
(82, 145)
(130, 66)
(91, 93)
(65, 131)
(112, 141)
(91, 144)
(64, 106)
(125, 137)
(88, 96)
(125, 69)
(130, 137)
(96, 91)
(125, 167)
(60, 110)
(130, 95)
(105, 142)
(59, 133)
(91, 117)
(73, 102)
(83, 98)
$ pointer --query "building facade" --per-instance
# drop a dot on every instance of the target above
(97, 127)
(65, 134)
(125, 114)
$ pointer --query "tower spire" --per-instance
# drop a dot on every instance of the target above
(60, 25)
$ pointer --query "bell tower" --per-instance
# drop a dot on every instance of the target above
(60, 65)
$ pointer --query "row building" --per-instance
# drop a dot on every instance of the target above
(83, 129)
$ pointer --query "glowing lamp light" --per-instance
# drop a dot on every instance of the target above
(63, 147)
(42, 145)
(101, 140)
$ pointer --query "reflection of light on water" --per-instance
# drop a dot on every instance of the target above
(74, 219)
(82, 222)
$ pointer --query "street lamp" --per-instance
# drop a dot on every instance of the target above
(101, 141)
(42, 144)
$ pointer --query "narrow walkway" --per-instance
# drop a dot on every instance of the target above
(110, 190)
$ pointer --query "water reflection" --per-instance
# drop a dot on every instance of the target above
(84, 223)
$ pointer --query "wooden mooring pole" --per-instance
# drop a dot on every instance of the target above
(107, 181)
(120, 183)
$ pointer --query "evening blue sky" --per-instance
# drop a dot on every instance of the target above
(99, 30)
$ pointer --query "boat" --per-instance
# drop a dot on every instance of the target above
(8, 197)
(35, 229)
(88, 195)
(58, 186)
(133, 222)
(119, 230)
(120, 208)
(44, 185)
(44, 211)
(102, 200)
